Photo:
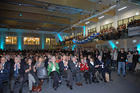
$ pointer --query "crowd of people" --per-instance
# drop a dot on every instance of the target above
(105, 34)
(109, 33)
(134, 23)
(80, 68)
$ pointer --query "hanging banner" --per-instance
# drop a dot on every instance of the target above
(86, 40)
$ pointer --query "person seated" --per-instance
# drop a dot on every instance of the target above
(92, 69)
(4, 72)
(30, 73)
(79, 74)
(53, 71)
(38, 66)
(17, 72)
(67, 72)
(85, 69)
(100, 68)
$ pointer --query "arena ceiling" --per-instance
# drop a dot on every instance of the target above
(50, 15)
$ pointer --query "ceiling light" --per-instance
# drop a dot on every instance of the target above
(122, 8)
(101, 17)
(117, 42)
(19, 4)
(87, 22)
(134, 41)
(137, 13)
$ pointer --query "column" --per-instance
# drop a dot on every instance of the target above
(84, 31)
(115, 21)
(2, 40)
(125, 44)
(42, 41)
(19, 41)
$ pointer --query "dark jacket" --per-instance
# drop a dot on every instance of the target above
(122, 57)
(5, 72)
(21, 70)
(61, 67)
(72, 67)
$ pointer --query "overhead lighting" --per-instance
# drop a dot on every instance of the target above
(101, 17)
(87, 22)
(117, 42)
(134, 41)
(19, 4)
(137, 13)
(122, 8)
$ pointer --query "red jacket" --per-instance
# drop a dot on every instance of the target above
(83, 67)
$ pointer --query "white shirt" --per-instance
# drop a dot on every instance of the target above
(2, 69)
(92, 63)
(53, 68)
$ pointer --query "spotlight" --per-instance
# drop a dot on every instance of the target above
(117, 42)
(101, 17)
(137, 13)
(122, 8)
(134, 41)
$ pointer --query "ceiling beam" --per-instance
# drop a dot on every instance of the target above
(81, 4)
(111, 12)
(27, 25)
(35, 17)
(37, 11)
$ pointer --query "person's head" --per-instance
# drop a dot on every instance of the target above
(7, 57)
(3, 60)
(99, 58)
(122, 50)
(129, 52)
(82, 60)
(89, 56)
(85, 58)
(92, 60)
(29, 61)
(53, 59)
(17, 60)
(64, 57)
(74, 59)
(40, 59)
(36, 58)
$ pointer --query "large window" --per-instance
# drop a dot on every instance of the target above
(126, 20)
(79, 34)
(107, 26)
(53, 41)
(92, 30)
(137, 17)
(11, 40)
(31, 41)
(47, 41)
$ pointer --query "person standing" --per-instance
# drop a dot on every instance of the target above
(135, 60)
(121, 62)
(129, 58)
(114, 59)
